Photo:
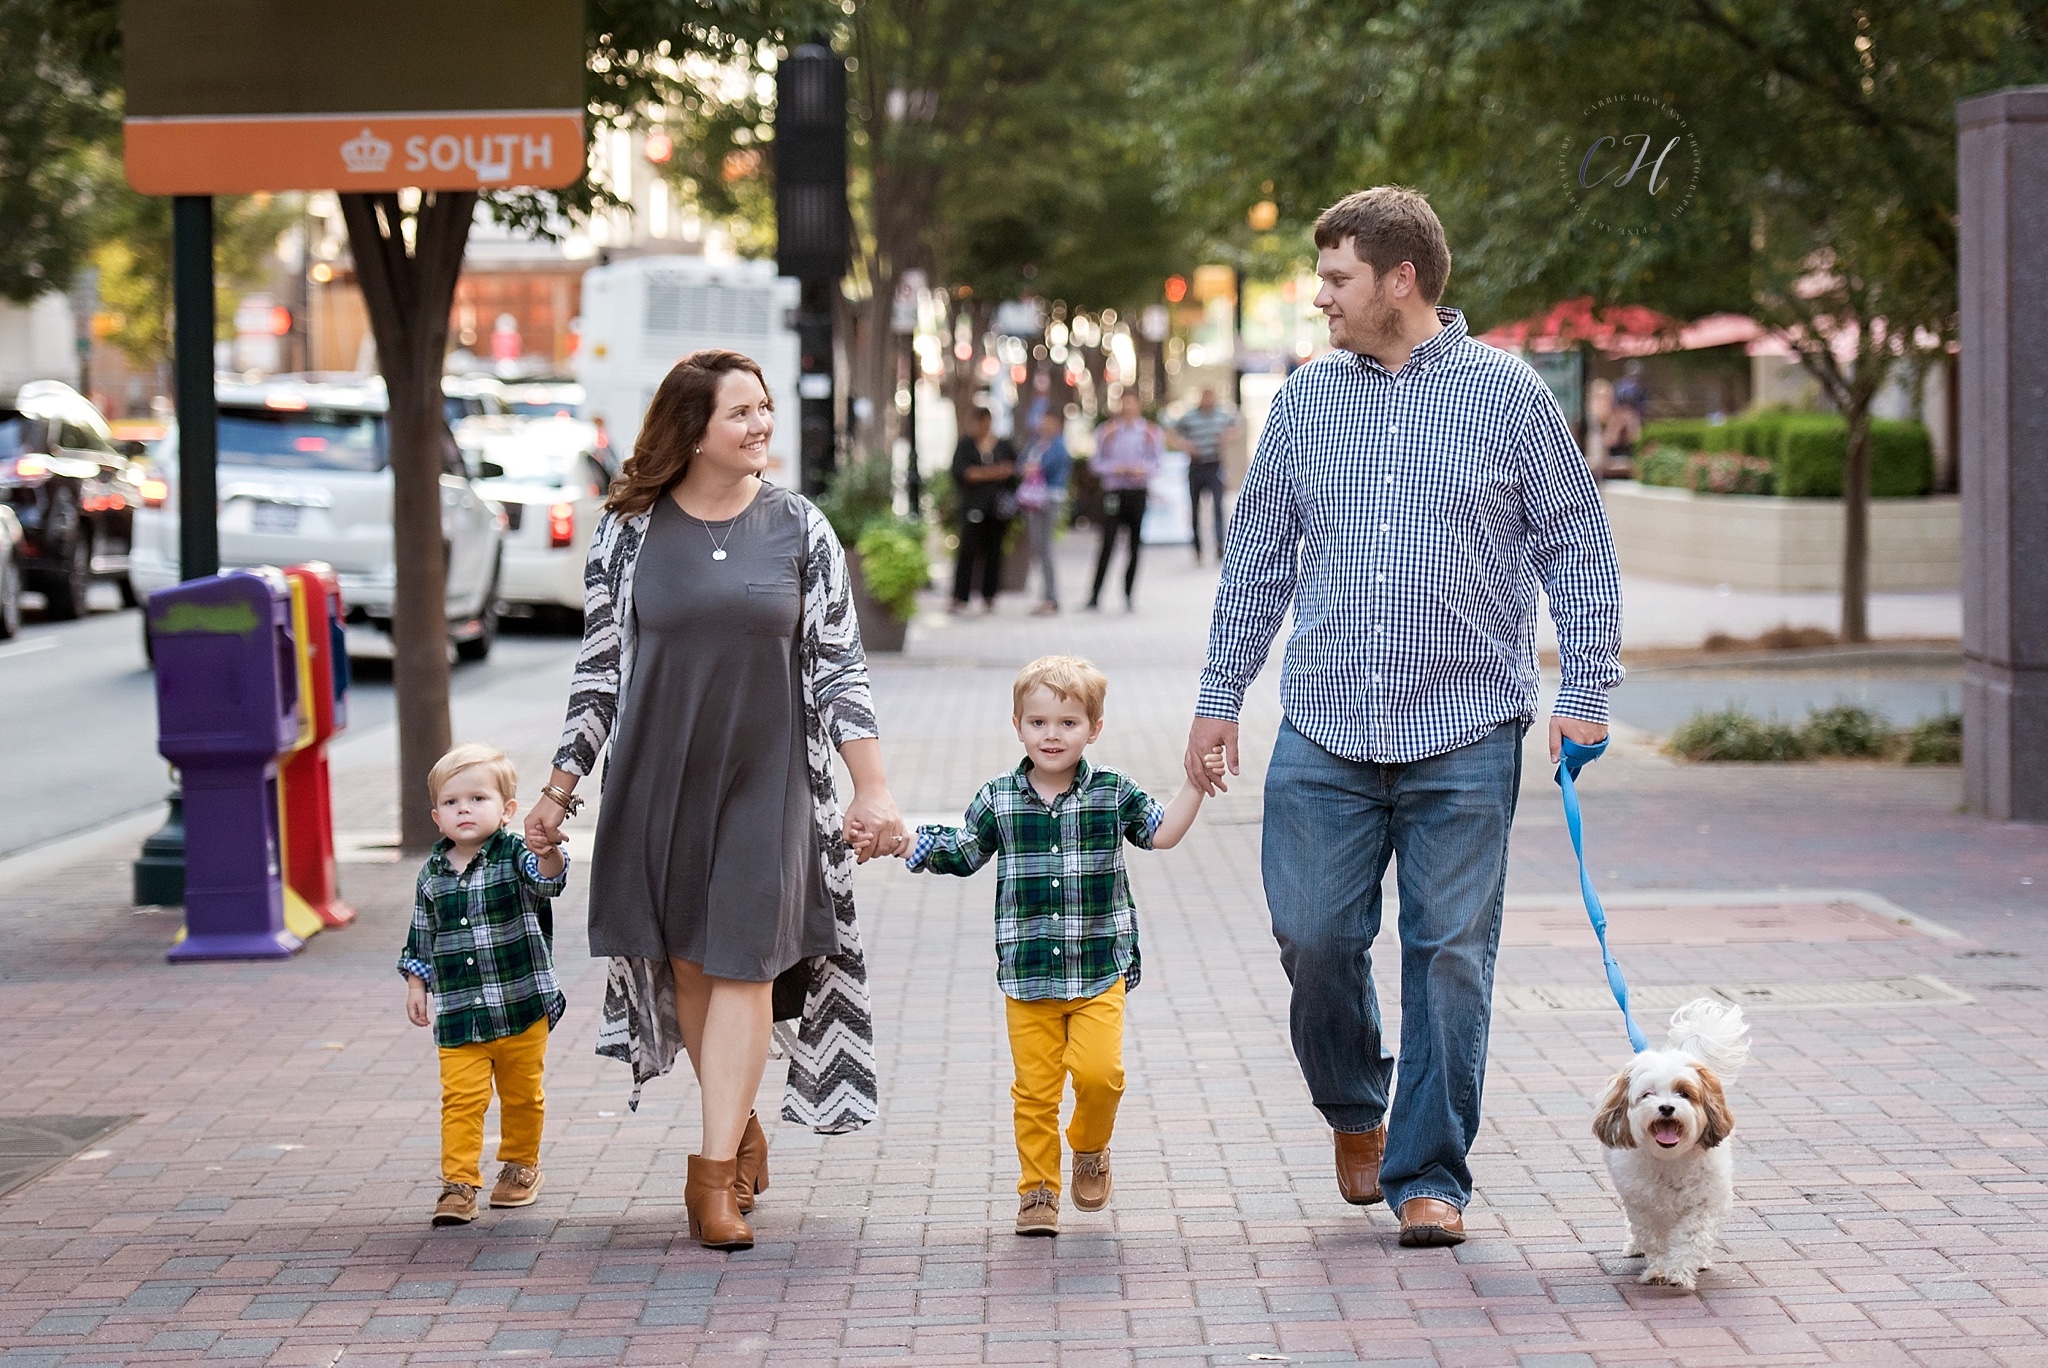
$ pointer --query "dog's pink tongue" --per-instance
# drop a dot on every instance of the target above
(1666, 1132)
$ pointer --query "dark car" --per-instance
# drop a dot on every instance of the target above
(72, 488)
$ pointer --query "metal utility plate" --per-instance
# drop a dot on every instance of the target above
(31, 1146)
(1918, 990)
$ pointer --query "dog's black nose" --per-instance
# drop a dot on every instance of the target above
(1666, 1110)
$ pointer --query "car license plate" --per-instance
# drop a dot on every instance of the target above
(274, 517)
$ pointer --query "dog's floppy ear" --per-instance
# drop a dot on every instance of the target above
(1610, 1123)
(1718, 1123)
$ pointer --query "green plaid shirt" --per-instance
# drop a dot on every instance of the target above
(1065, 924)
(477, 942)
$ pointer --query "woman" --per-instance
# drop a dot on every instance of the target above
(985, 481)
(720, 643)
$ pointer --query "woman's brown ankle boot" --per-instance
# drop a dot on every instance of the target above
(715, 1220)
(751, 1176)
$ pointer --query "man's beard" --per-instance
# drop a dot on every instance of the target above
(1378, 325)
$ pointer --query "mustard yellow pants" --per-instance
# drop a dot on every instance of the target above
(1051, 1041)
(467, 1074)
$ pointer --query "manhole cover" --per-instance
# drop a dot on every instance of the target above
(1920, 990)
(32, 1145)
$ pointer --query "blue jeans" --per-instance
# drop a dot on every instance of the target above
(1331, 824)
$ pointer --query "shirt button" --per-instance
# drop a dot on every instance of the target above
(465, 921)
(1375, 678)
(1055, 850)
(1381, 576)
(1055, 951)
(479, 1002)
(1390, 479)
(1383, 527)
(472, 959)
(1055, 883)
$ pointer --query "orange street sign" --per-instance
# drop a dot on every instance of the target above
(455, 150)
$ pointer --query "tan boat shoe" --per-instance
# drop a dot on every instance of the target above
(1038, 1212)
(517, 1185)
(457, 1205)
(1091, 1180)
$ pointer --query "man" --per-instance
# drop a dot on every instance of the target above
(1127, 452)
(1042, 494)
(1412, 490)
(985, 477)
(1201, 433)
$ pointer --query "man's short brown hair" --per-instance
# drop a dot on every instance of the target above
(1070, 677)
(1387, 225)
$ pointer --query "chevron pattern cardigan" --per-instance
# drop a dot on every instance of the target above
(831, 1049)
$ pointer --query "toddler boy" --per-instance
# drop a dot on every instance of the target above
(478, 944)
(1066, 929)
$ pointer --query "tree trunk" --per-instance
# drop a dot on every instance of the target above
(1856, 524)
(409, 288)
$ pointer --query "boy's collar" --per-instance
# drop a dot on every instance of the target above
(1081, 772)
(443, 846)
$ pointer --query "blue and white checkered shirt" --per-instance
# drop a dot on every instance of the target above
(1411, 518)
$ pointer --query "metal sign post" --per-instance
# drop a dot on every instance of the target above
(811, 232)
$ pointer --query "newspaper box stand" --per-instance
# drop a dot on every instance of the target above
(227, 696)
(308, 799)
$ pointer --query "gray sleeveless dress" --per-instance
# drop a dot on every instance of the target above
(706, 849)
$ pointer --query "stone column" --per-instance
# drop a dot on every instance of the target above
(2003, 287)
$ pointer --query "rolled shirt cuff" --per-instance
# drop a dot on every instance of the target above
(922, 851)
(1586, 702)
(419, 969)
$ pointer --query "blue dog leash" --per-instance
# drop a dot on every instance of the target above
(1576, 758)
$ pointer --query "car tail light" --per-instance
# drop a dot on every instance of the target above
(155, 489)
(31, 467)
(561, 524)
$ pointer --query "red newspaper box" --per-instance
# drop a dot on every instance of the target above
(308, 801)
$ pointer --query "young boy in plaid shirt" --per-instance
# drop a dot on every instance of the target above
(481, 942)
(1066, 929)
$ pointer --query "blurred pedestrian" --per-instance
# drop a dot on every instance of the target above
(985, 478)
(1127, 453)
(1042, 494)
(1201, 432)
(1414, 493)
(1625, 415)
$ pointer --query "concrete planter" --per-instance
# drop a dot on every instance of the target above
(1781, 545)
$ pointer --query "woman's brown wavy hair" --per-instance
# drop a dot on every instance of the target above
(673, 427)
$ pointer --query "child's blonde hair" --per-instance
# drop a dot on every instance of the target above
(473, 755)
(1072, 678)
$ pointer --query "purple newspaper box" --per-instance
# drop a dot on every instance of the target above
(226, 693)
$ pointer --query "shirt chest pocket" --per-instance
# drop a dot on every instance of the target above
(773, 606)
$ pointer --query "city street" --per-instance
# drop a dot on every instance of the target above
(258, 1178)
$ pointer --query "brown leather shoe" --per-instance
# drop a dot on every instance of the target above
(1038, 1212)
(1358, 1164)
(457, 1205)
(517, 1185)
(715, 1220)
(751, 1175)
(1426, 1222)
(1091, 1180)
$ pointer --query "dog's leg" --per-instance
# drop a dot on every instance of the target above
(1632, 1247)
(1693, 1241)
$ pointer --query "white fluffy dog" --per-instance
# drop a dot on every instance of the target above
(1664, 1125)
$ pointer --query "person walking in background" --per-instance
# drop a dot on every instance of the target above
(1042, 493)
(985, 481)
(1625, 414)
(1201, 433)
(1414, 490)
(1127, 452)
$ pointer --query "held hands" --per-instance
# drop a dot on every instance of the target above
(416, 1002)
(1585, 733)
(1212, 749)
(875, 828)
(543, 830)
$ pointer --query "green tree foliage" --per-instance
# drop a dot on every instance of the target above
(57, 117)
(134, 262)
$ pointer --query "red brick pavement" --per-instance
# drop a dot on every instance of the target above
(268, 1203)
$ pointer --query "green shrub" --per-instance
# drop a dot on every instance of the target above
(894, 565)
(1936, 741)
(1847, 731)
(1686, 434)
(859, 493)
(1812, 449)
(1901, 459)
(1729, 472)
(1732, 734)
(1660, 464)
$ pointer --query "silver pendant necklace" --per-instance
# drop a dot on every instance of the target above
(717, 546)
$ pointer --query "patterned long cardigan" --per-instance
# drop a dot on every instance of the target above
(831, 1049)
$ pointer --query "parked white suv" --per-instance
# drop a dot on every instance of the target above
(549, 477)
(304, 475)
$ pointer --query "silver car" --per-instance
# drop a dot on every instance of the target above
(303, 475)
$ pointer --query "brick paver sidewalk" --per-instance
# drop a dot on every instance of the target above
(268, 1201)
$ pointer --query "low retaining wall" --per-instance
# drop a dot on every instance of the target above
(1781, 545)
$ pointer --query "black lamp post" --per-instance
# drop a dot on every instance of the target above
(812, 232)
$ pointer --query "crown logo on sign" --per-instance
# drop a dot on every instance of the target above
(366, 153)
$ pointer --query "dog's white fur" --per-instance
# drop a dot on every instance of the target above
(1664, 1125)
